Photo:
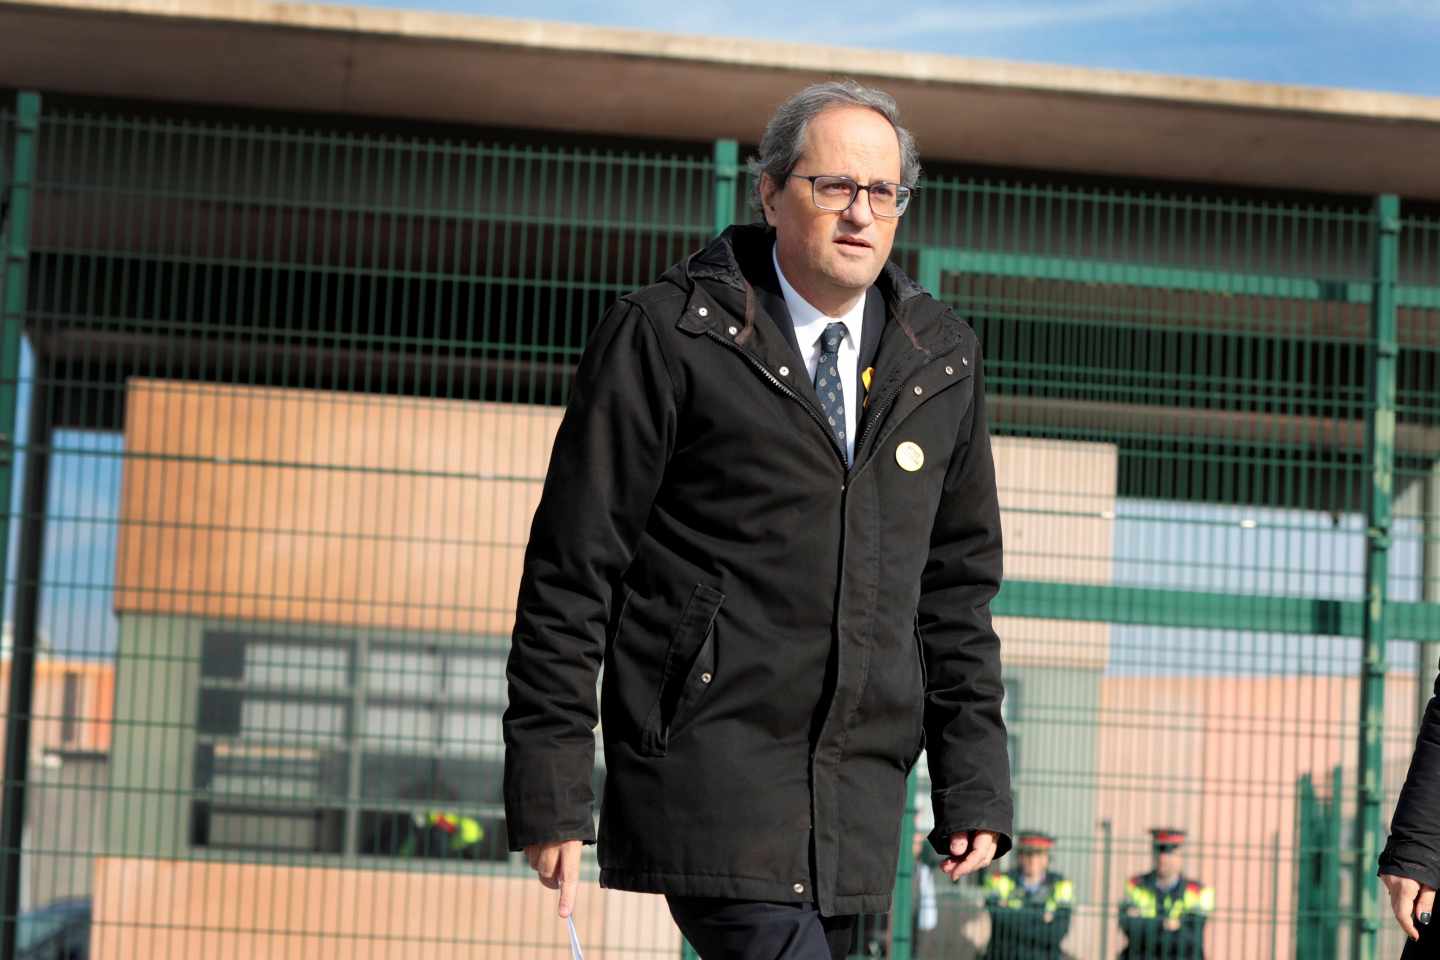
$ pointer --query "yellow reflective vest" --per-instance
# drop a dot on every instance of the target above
(1166, 924)
(1027, 924)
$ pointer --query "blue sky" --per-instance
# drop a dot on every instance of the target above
(1369, 44)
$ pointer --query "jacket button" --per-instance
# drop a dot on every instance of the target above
(798, 888)
(965, 360)
(705, 678)
(734, 330)
(919, 390)
(949, 371)
(703, 311)
(784, 371)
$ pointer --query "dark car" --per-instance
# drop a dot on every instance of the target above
(56, 931)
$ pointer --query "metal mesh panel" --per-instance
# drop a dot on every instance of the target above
(1209, 359)
(301, 388)
(286, 399)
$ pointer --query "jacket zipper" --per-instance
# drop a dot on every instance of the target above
(789, 392)
(883, 405)
(877, 414)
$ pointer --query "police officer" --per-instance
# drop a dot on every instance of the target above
(427, 834)
(443, 834)
(1029, 906)
(1164, 912)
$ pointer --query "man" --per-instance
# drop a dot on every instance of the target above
(771, 512)
(1163, 914)
(1030, 906)
(1410, 863)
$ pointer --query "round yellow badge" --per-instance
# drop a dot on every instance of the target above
(910, 456)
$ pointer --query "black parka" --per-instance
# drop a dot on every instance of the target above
(779, 633)
(1414, 847)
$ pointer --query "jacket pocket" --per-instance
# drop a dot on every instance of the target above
(688, 671)
(924, 687)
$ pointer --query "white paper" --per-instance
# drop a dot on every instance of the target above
(575, 952)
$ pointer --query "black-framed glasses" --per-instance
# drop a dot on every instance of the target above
(887, 199)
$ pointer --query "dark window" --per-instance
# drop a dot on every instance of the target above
(69, 707)
(349, 746)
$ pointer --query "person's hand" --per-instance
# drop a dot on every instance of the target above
(1412, 902)
(969, 852)
(558, 865)
(1172, 924)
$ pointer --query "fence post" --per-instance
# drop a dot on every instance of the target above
(727, 172)
(928, 274)
(1334, 845)
(1307, 888)
(1380, 454)
(902, 906)
(15, 250)
(1429, 584)
(1107, 851)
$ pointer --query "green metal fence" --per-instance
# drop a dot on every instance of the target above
(283, 401)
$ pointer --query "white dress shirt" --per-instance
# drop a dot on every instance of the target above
(810, 324)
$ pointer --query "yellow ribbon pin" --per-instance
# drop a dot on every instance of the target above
(866, 376)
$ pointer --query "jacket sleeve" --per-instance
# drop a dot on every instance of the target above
(605, 469)
(1191, 934)
(965, 734)
(1140, 932)
(1414, 847)
(1059, 927)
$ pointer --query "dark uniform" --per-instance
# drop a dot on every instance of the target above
(1165, 923)
(1028, 923)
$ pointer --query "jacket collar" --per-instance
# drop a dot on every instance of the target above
(721, 283)
(728, 271)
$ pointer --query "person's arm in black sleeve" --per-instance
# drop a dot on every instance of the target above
(1410, 862)
(1059, 925)
(605, 469)
(1413, 850)
(1139, 931)
(1037, 928)
(965, 734)
(1005, 927)
(1192, 934)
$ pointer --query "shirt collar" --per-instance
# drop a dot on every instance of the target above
(809, 321)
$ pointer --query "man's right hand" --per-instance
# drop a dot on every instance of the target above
(558, 865)
(1412, 901)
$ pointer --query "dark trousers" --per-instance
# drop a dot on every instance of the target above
(751, 930)
(1427, 947)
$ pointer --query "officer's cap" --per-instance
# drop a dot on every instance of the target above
(1034, 841)
(1167, 839)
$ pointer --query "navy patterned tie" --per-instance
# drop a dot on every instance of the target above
(827, 382)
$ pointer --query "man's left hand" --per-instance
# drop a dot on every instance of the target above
(1412, 902)
(969, 852)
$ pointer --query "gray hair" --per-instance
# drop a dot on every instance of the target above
(784, 137)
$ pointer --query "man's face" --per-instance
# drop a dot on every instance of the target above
(828, 255)
(1034, 863)
(1167, 862)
